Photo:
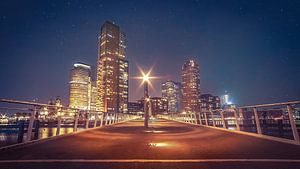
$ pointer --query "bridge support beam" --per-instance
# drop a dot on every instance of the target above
(258, 128)
(293, 124)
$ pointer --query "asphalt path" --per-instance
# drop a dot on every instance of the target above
(165, 144)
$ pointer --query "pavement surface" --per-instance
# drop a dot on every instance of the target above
(165, 144)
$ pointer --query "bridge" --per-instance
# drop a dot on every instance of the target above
(227, 138)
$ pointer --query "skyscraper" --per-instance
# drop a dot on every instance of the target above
(191, 86)
(80, 86)
(171, 91)
(112, 70)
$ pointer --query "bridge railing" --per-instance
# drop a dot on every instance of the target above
(280, 121)
(31, 120)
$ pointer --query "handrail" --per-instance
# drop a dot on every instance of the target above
(271, 104)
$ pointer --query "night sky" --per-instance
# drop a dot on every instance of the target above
(248, 48)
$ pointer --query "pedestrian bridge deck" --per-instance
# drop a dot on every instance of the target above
(164, 141)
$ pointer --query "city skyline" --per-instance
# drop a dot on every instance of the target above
(242, 57)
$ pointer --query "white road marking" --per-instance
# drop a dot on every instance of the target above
(148, 160)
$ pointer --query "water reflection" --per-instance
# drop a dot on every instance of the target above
(44, 132)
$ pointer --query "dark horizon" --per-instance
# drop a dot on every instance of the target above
(250, 49)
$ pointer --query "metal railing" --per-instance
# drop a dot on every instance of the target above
(278, 120)
(35, 115)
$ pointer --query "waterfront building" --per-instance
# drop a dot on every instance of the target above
(210, 102)
(112, 70)
(171, 91)
(80, 86)
(190, 86)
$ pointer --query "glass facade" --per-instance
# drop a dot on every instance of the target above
(112, 70)
(190, 76)
(171, 91)
(80, 86)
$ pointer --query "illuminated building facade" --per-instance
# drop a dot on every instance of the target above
(158, 105)
(80, 86)
(135, 107)
(112, 70)
(171, 91)
(190, 86)
(210, 102)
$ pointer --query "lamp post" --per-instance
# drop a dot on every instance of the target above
(146, 100)
(146, 82)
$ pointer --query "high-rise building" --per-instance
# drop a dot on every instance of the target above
(93, 96)
(171, 91)
(190, 86)
(210, 102)
(112, 70)
(80, 86)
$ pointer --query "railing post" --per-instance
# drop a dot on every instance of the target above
(101, 119)
(206, 121)
(195, 118)
(258, 128)
(212, 118)
(58, 125)
(241, 115)
(115, 118)
(223, 119)
(87, 120)
(96, 118)
(30, 125)
(76, 120)
(200, 120)
(236, 119)
(293, 124)
(110, 118)
(20, 131)
(106, 118)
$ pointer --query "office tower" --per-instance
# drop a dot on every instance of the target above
(93, 96)
(80, 86)
(190, 86)
(171, 91)
(210, 102)
(112, 70)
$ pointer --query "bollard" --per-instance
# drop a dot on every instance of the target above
(293, 124)
(87, 120)
(30, 125)
(258, 128)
